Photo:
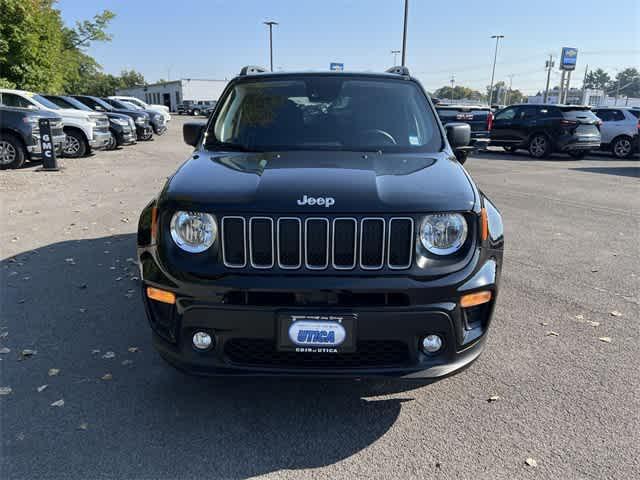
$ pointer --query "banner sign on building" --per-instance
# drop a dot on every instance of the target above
(336, 67)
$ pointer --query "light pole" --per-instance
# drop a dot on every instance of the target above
(453, 81)
(548, 65)
(493, 71)
(270, 24)
(395, 56)
(404, 33)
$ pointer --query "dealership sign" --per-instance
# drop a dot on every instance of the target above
(568, 58)
(336, 67)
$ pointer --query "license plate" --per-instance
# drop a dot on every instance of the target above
(317, 333)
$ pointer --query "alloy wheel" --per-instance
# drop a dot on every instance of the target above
(622, 148)
(538, 146)
(7, 153)
(71, 145)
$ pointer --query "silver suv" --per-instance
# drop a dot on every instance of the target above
(619, 130)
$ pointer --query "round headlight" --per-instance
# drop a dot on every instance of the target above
(193, 232)
(443, 233)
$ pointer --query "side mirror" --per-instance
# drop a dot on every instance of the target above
(458, 134)
(192, 131)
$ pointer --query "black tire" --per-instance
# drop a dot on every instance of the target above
(540, 146)
(75, 145)
(622, 147)
(578, 154)
(196, 113)
(511, 149)
(12, 154)
(113, 143)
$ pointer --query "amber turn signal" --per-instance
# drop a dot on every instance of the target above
(484, 224)
(161, 295)
(473, 299)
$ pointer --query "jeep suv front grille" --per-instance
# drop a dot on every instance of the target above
(317, 243)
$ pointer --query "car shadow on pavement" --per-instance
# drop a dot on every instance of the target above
(633, 172)
(126, 414)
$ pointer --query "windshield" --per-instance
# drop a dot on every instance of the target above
(115, 103)
(135, 102)
(75, 103)
(326, 112)
(131, 105)
(45, 102)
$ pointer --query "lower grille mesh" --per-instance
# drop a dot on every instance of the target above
(371, 353)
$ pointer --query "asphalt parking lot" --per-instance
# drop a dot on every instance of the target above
(561, 362)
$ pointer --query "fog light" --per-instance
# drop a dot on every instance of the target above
(431, 344)
(202, 340)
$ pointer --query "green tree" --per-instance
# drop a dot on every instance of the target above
(597, 79)
(459, 92)
(37, 51)
(131, 78)
(627, 82)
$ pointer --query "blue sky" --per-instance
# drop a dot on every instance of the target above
(215, 38)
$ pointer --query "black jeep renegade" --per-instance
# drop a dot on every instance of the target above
(322, 226)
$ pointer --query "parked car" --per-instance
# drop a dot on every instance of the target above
(199, 107)
(208, 110)
(544, 129)
(20, 134)
(184, 107)
(162, 109)
(620, 130)
(85, 131)
(144, 131)
(121, 127)
(156, 119)
(324, 234)
(479, 118)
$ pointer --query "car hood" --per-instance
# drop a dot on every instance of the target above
(357, 182)
(77, 114)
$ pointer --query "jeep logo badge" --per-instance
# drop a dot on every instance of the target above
(326, 201)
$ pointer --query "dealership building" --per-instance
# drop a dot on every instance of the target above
(173, 92)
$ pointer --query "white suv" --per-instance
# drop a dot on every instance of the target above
(162, 109)
(84, 130)
(619, 130)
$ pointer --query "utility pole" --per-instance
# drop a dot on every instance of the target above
(395, 56)
(270, 24)
(566, 88)
(508, 94)
(617, 91)
(548, 66)
(452, 81)
(493, 71)
(404, 34)
(561, 91)
(584, 88)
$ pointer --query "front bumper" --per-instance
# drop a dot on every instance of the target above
(392, 315)
(100, 140)
(124, 136)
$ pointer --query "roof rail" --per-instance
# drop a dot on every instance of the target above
(399, 70)
(252, 70)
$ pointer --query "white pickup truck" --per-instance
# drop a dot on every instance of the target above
(161, 109)
(84, 130)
